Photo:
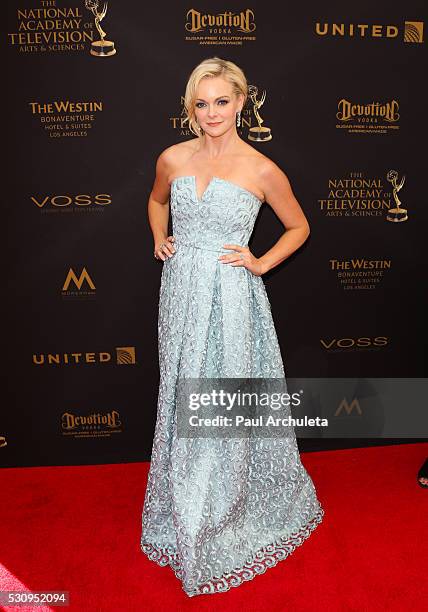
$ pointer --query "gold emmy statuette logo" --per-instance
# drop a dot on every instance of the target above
(396, 214)
(100, 48)
(259, 133)
(3, 441)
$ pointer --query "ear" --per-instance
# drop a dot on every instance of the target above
(241, 100)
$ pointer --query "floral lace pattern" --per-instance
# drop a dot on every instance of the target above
(263, 559)
(219, 511)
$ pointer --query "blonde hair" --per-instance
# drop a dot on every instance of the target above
(212, 67)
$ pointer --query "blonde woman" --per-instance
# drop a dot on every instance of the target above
(220, 510)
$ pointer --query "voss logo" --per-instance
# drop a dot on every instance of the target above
(349, 343)
(79, 200)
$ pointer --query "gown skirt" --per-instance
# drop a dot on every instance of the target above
(219, 511)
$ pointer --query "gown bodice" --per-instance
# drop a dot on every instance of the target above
(225, 213)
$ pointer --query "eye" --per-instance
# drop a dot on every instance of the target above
(199, 104)
(225, 102)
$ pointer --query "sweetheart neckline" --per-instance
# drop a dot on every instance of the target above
(214, 178)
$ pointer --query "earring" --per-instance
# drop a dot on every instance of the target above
(238, 118)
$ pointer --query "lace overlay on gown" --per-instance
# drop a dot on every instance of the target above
(219, 511)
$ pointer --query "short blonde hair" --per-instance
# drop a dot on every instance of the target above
(212, 67)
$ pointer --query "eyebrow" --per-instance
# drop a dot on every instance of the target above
(225, 96)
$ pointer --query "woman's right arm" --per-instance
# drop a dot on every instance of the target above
(158, 207)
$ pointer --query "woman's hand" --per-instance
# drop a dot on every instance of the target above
(164, 248)
(243, 257)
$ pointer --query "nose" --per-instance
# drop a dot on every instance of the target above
(212, 111)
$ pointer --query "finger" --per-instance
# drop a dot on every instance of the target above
(231, 259)
(236, 247)
(167, 249)
(171, 247)
(227, 255)
(160, 255)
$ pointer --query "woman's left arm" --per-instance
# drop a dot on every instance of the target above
(280, 197)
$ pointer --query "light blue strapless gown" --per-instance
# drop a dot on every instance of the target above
(219, 511)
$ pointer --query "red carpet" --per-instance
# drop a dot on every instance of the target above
(78, 529)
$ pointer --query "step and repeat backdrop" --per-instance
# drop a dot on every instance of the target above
(95, 93)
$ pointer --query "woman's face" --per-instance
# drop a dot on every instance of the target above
(216, 105)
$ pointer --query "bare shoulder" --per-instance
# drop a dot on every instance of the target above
(175, 156)
(268, 170)
(267, 175)
(279, 194)
(259, 164)
(271, 177)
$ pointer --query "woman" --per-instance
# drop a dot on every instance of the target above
(220, 511)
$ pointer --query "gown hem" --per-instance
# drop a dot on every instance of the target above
(264, 558)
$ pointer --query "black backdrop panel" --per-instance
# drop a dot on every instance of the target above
(84, 134)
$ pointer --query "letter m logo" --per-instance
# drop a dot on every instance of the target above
(349, 407)
(78, 281)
